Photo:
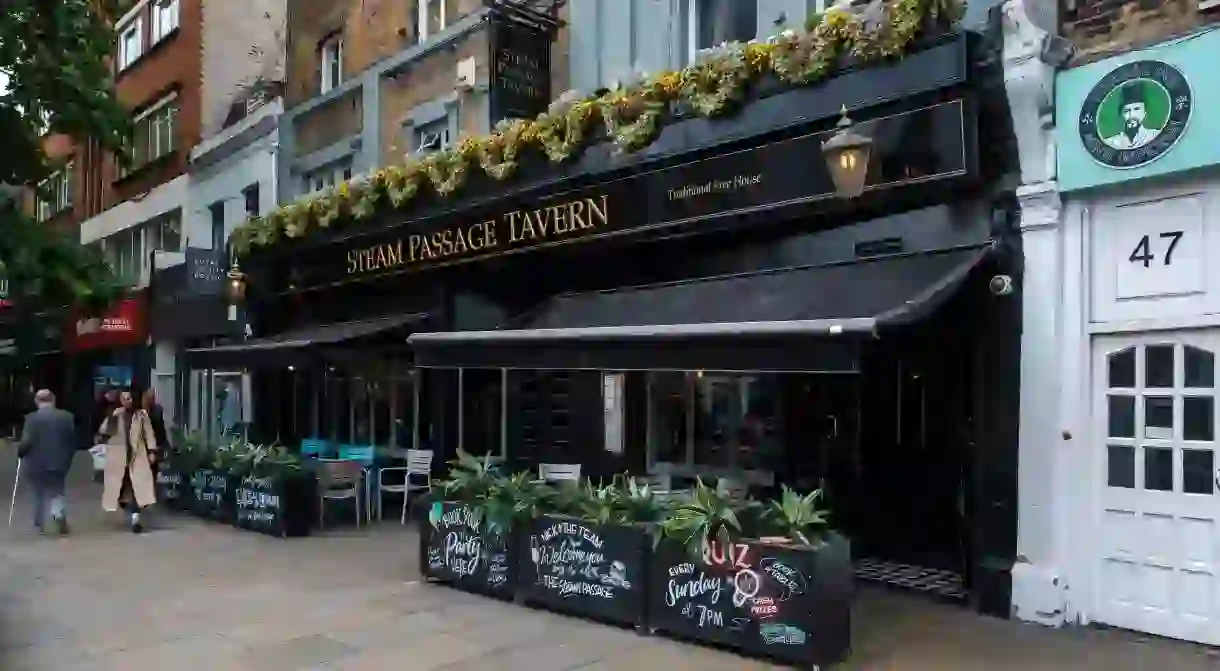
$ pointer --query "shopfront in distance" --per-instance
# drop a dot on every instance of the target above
(711, 307)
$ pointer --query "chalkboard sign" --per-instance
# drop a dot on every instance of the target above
(170, 487)
(774, 601)
(275, 506)
(213, 494)
(458, 550)
(587, 570)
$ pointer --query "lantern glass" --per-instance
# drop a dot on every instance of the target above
(849, 168)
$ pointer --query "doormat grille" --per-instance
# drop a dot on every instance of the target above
(937, 582)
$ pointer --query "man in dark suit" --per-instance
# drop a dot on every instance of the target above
(47, 445)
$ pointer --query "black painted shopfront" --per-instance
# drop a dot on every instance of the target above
(706, 307)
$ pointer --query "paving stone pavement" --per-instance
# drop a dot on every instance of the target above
(195, 595)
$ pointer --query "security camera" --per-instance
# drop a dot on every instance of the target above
(1001, 285)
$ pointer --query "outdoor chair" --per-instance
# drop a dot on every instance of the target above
(338, 480)
(559, 472)
(419, 465)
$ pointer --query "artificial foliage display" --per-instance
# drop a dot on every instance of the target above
(631, 115)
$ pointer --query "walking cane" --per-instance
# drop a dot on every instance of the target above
(13, 503)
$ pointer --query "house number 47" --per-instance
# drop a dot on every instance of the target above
(1144, 253)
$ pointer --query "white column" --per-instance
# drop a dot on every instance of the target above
(1039, 590)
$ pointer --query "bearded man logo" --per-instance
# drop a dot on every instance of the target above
(1133, 106)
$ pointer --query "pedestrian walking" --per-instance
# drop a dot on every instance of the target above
(46, 449)
(130, 446)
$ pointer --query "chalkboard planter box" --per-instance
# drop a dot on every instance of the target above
(593, 571)
(455, 549)
(774, 601)
(274, 505)
(172, 488)
(214, 495)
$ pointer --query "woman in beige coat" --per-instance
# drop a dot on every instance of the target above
(130, 446)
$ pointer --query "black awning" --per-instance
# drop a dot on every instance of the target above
(299, 346)
(755, 321)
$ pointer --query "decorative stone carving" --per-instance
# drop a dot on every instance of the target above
(1041, 206)
(1030, 84)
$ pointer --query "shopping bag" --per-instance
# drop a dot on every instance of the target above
(98, 452)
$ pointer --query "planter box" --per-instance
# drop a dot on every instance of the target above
(214, 495)
(275, 506)
(456, 550)
(765, 600)
(173, 488)
(599, 572)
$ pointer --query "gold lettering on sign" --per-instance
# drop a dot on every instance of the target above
(734, 183)
(520, 228)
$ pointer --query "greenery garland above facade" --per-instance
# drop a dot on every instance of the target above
(632, 115)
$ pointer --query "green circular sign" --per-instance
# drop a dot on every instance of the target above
(1135, 114)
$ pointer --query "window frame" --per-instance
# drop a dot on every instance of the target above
(126, 57)
(693, 23)
(422, 19)
(327, 175)
(251, 196)
(160, 9)
(442, 140)
(59, 184)
(150, 128)
(216, 215)
(330, 52)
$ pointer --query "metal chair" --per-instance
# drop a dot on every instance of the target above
(366, 456)
(338, 480)
(419, 465)
(559, 472)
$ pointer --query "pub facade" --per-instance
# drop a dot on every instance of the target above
(816, 289)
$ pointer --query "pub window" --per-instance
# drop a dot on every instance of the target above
(55, 193)
(153, 135)
(324, 177)
(131, 43)
(164, 19)
(124, 251)
(217, 212)
(331, 52)
(433, 16)
(165, 233)
(713, 425)
(432, 136)
(250, 195)
(716, 22)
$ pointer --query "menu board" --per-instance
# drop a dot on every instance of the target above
(212, 497)
(170, 484)
(594, 571)
(459, 550)
(746, 595)
(260, 505)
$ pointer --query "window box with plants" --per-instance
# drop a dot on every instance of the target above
(214, 483)
(588, 555)
(468, 535)
(274, 494)
(770, 580)
(174, 487)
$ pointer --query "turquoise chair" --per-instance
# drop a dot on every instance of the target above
(316, 448)
(365, 455)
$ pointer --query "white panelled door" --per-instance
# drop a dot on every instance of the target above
(1156, 415)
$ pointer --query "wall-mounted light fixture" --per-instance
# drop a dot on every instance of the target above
(847, 154)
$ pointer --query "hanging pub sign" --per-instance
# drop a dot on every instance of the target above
(591, 571)
(787, 177)
(206, 270)
(520, 86)
(124, 325)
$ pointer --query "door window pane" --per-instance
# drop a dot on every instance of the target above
(1200, 367)
(1197, 418)
(667, 417)
(1197, 471)
(1120, 466)
(1158, 417)
(1122, 416)
(1158, 469)
(1122, 368)
(1158, 366)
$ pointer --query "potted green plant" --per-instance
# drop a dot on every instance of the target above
(466, 538)
(588, 556)
(771, 580)
(274, 493)
(173, 476)
(214, 482)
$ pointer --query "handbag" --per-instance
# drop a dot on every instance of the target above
(98, 453)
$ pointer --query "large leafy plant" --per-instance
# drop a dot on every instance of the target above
(799, 518)
(707, 515)
(470, 478)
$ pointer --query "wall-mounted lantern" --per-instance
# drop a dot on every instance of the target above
(847, 153)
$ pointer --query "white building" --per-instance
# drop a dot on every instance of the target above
(1119, 477)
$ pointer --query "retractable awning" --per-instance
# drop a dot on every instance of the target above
(298, 346)
(755, 321)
